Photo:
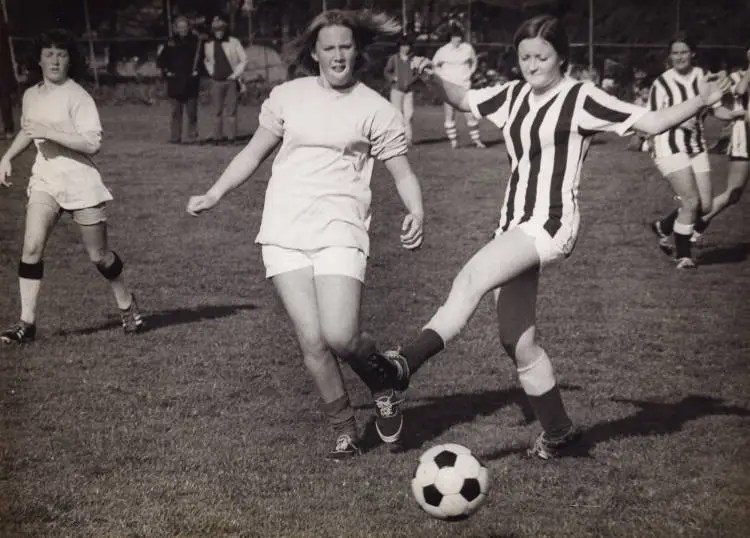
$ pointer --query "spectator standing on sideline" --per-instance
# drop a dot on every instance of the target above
(179, 60)
(399, 74)
(225, 60)
(456, 62)
(8, 81)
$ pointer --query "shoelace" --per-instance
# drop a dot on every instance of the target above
(385, 405)
(343, 443)
(19, 331)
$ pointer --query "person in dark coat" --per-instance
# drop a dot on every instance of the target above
(179, 60)
(8, 82)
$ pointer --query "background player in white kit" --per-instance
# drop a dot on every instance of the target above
(456, 62)
(61, 118)
(314, 230)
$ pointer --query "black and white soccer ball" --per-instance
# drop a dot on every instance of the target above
(450, 483)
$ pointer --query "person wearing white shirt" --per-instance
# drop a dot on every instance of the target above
(62, 121)
(456, 62)
(329, 129)
(225, 60)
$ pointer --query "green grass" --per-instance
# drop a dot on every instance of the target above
(208, 425)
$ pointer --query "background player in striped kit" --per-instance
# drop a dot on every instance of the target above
(314, 230)
(680, 153)
(738, 112)
(548, 121)
(456, 61)
(62, 121)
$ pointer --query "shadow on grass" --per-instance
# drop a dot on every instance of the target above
(651, 419)
(168, 318)
(428, 418)
(726, 254)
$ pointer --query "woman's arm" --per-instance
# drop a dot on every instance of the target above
(242, 167)
(654, 122)
(723, 113)
(88, 143)
(450, 93)
(409, 190)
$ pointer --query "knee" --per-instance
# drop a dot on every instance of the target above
(345, 346)
(523, 351)
(314, 351)
(32, 251)
(108, 263)
(690, 203)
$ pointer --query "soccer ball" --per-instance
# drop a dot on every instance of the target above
(450, 483)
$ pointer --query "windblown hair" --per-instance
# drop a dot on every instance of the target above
(366, 27)
(551, 30)
(59, 39)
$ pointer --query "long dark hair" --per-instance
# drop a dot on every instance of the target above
(366, 26)
(551, 30)
(59, 39)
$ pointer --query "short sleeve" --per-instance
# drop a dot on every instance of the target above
(85, 117)
(492, 103)
(602, 112)
(271, 115)
(387, 134)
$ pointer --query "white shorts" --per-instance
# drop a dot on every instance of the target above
(549, 248)
(344, 261)
(669, 164)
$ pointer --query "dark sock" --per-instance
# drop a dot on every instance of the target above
(667, 223)
(341, 416)
(681, 245)
(700, 225)
(427, 344)
(550, 412)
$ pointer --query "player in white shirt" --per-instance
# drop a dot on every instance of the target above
(680, 153)
(314, 229)
(548, 121)
(62, 121)
(737, 112)
(456, 62)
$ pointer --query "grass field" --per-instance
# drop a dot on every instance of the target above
(207, 424)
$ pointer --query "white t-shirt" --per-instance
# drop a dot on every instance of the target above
(70, 177)
(319, 192)
(456, 64)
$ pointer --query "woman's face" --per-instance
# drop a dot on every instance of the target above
(336, 53)
(540, 64)
(54, 63)
(681, 56)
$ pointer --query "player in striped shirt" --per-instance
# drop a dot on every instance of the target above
(548, 121)
(738, 112)
(314, 230)
(60, 118)
(680, 153)
(456, 62)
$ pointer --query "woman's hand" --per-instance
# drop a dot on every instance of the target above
(198, 204)
(5, 172)
(713, 87)
(412, 232)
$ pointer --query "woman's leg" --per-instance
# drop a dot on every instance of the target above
(339, 300)
(516, 315)
(501, 260)
(737, 175)
(40, 221)
(298, 294)
(684, 185)
(451, 130)
(93, 229)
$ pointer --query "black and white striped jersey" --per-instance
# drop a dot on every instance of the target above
(669, 89)
(547, 139)
(740, 134)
